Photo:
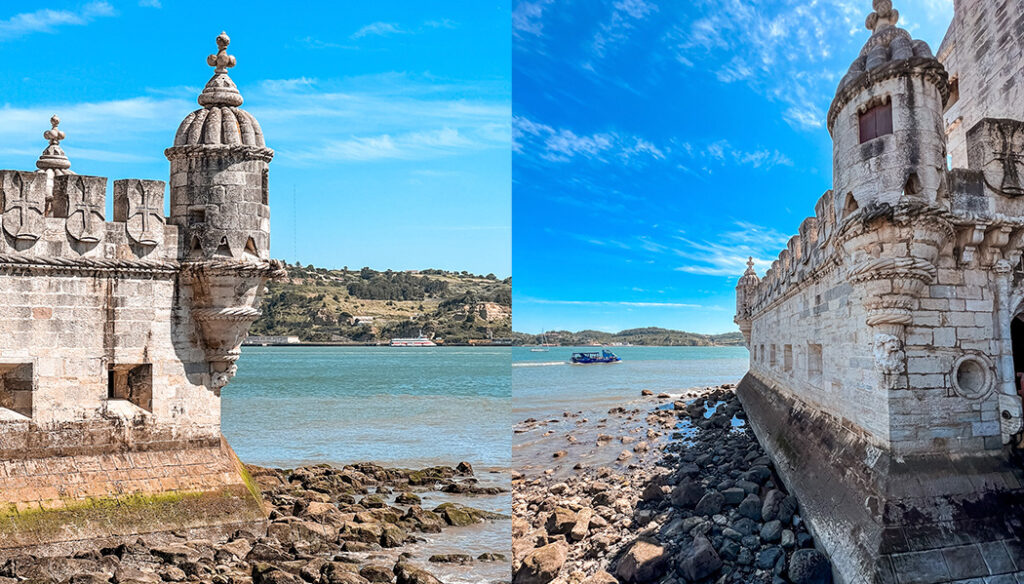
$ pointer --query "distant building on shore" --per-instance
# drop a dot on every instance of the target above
(118, 336)
(265, 340)
(887, 340)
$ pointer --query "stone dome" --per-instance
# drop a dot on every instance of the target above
(220, 126)
(889, 52)
(220, 122)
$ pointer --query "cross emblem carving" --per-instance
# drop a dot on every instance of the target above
(28, 211)
(142, 216)
(84, 228)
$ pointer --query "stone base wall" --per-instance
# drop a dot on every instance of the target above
(62, 503)
(886, 519)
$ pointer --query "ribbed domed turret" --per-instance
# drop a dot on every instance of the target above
(220, 121)
(887, 52)
(220, 178)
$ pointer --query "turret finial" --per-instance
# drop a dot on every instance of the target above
(222, 60)
(883, 17)
(750, 266)
(220, 90)
(53, 158)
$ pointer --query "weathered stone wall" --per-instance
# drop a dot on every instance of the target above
(984, 53)
(882, 377)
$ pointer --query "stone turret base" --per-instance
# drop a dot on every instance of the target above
(59, 505)
(883, 519)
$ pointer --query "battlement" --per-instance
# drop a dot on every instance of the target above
(66, 222)
(118, 333)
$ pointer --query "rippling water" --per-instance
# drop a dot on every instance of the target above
(410, 407)
(406, 407)
(545, 384)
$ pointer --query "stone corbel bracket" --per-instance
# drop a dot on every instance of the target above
(225, 297)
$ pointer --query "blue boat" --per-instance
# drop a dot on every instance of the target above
(604, 356)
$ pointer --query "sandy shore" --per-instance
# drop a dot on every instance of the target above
(668, 488)
(356, 524)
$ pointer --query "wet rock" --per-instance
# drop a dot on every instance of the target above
(542, 564)
(464, 469)
(733, 495)
(644, 561)
(686, 494)
(407, 499)
(710, 504)
(406, 573)
(771, 531)
(582, 525)
(491, 557)
(772, 503)
(809, 567)
(699, 561)
(376, 573)
(561, 521)
(393, 536)
(750, 507)
(767, 557)
(451, 559)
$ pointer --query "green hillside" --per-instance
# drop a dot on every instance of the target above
(369, 306)
(652, 336)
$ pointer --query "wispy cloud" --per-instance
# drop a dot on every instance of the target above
(378, 29)
(621, 22)
(150, 4)
(48, 21)
(563, 145)
(727, 254)
(527, 18)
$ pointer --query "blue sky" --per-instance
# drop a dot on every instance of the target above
(390, 119)
(657, 144)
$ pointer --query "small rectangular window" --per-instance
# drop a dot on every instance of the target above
(813, 362)
(772, 360)
(197, 215)
(16, 385)
(876, 122)
(787, 358)
(133, 383)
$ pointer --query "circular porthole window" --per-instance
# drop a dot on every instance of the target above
(972, 376)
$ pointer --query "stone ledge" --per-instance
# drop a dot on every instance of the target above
(877, 515)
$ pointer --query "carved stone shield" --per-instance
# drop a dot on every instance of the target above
(140, 204)
(84, 199)
(996, 147)
(24, 196)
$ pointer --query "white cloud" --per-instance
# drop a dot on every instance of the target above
(150, 4)
(378, 29)
(621, 22)
(527, 17)
(727, 254)
(48, 21)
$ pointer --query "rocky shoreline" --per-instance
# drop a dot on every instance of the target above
(350, 525)
(696, 500)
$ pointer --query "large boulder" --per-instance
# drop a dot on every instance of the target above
(406, 573)
(699, 561)
(560, 521)
(644, 561)
(686, 494)
(542, 564)
(710, 504)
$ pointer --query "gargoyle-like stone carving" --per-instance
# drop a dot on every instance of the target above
(890, 360)
(24, 198)
(80, 199)
(140, 205)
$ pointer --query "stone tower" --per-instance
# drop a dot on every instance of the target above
(219, 199)
(886, 119)
(745, 290)
(887, 340)
(117, 337)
